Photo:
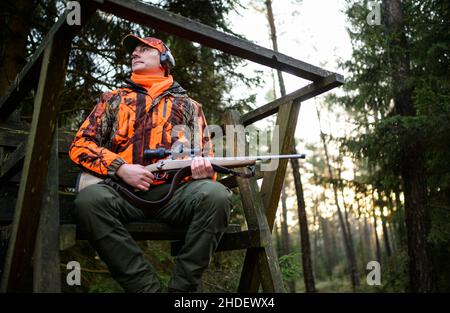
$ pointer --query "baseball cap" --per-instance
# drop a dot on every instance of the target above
(130, 42)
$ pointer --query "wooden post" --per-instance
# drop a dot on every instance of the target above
(264, 259)
(271, 187)
(46, 269)
(17, 267)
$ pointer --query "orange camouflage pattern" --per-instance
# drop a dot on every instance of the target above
(126, 121)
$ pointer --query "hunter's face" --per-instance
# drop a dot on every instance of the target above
(145, 60)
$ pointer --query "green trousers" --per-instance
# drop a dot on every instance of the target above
(201, 205)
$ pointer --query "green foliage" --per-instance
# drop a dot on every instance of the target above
(290, 266)
(394, 273)
(380, 132)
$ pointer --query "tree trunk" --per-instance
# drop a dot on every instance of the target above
(377, 241)
(367, 240)
(387, 245)
(392, 233)
(330, 250)
(318, 251)
(277, 237)
(304, 233)
(273, 37)
(400, 220)
(412, 158)
(347, 241)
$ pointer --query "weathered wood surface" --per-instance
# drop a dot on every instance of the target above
(29, 199)
(271, 187)
(302, 94)
(264, 256)
(46, 265)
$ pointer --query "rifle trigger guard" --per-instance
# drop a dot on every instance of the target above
(160, 176)
(252, 169)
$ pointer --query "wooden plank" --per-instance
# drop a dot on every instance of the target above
(162, 20)
(156, 230)
(27, 212)
(46, 267)
(273, 180)
(13, 134)
(231, 240)
(13, 163)
(301, 94)
(28, 76)
(265, 256)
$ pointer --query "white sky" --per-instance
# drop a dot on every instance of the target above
(312, 31)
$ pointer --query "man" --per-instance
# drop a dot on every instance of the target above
(152, 111)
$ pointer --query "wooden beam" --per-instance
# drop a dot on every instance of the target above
(34, 174)
(46, 267)
(15, 136)
(230, 241)
(12, 135)
(302, 94)
(162, 20)
(233, 238)
(265, 256)
(273, 180)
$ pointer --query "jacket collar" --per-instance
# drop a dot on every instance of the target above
(174, 89)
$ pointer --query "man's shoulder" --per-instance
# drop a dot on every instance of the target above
(195, 103)
(178, 92)
(115, 96)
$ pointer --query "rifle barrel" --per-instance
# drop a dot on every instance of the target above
(168, 164)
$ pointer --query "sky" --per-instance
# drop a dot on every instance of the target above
(312, 31)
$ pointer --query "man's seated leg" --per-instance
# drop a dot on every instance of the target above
(205, 206)
(100, 213)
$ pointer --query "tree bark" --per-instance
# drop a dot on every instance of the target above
(277, 237)
(412, 157)
(367, 240)
(308, 272)
(387, 245)
(329, 247)
(377, 241)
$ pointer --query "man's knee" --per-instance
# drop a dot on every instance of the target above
(215, 192)
(92, 198)
(215, 200)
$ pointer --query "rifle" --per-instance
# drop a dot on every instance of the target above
(179, 168)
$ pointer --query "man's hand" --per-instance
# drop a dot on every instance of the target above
(136, 176)
(201, 168)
